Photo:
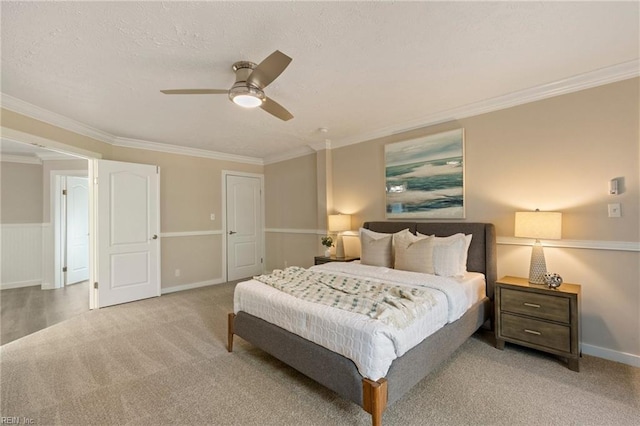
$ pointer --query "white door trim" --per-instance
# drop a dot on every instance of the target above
(23, 137)
(56, 210)
(226, 173)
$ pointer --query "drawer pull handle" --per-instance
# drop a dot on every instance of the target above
(537, 333)
(531, 305)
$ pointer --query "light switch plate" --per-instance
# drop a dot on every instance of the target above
(614, 210)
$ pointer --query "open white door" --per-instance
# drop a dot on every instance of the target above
(127, 219)
(244, 226)
(77, 228)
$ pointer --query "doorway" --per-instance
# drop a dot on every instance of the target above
(69, 200)
(37, 303)
(50, 242)
(124, 208)
(243, 211)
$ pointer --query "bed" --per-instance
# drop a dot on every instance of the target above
(339, 373)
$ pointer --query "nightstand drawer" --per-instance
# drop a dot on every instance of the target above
(319, 260)
(537, 305)
(554, 336)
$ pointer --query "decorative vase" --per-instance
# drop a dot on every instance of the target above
(327, 252)
(553, 280)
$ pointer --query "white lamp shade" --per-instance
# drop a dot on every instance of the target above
(339, 222)
(539, 225)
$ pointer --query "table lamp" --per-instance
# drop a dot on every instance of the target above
(541, 226)
(339, 223)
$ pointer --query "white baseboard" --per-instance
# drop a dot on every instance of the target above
(19, 284)
(182, 287)
(611, 355)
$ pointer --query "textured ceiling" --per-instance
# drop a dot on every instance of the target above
(358, 67)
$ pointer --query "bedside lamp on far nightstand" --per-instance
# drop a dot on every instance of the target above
(339, 223)
(541, 226)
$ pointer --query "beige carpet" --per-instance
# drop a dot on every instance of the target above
(164, 361)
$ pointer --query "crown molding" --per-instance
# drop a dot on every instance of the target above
(289, 155)
(22, 159)
(181, 150)
(623, 71)
(21, 107)
(299, 152)
(28, 138)
(583, 81)
(58, 120)
(52, 155)
(320, 146)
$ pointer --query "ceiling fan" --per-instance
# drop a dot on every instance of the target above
(248, 90)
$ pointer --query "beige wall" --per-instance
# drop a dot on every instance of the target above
(290, 190)
(190, 187)
(190, 190)
(291, 209)
(555, 154)
(20, 193)
(16, 121)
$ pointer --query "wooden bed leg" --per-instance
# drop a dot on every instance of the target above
(374, 399)
(230, 332)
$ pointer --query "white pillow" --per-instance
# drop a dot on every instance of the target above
(414, 253)
(375, 248)
(450, 254)
(400, 234)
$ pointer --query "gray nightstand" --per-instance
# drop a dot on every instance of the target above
(538, 317)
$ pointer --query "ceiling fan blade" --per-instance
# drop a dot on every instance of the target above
(275, 109)
(269, 69)
(195, 92)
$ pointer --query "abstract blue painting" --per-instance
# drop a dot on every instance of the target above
(425, 177)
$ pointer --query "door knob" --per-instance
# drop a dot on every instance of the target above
(232, 232)
(155, 237)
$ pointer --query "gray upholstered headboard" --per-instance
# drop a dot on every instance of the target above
(482, 251)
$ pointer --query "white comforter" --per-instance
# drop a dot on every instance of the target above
(370, 344)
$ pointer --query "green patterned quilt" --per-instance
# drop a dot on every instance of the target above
(393, 304)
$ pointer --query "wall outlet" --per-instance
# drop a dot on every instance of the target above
(213, 216)
(614, 210)
(177, 272)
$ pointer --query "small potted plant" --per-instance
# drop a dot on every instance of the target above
(328, 243)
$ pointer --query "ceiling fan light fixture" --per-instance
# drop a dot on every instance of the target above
(246, 96)
(247, 101)
(248, 89)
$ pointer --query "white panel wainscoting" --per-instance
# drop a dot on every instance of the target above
(21, 255)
